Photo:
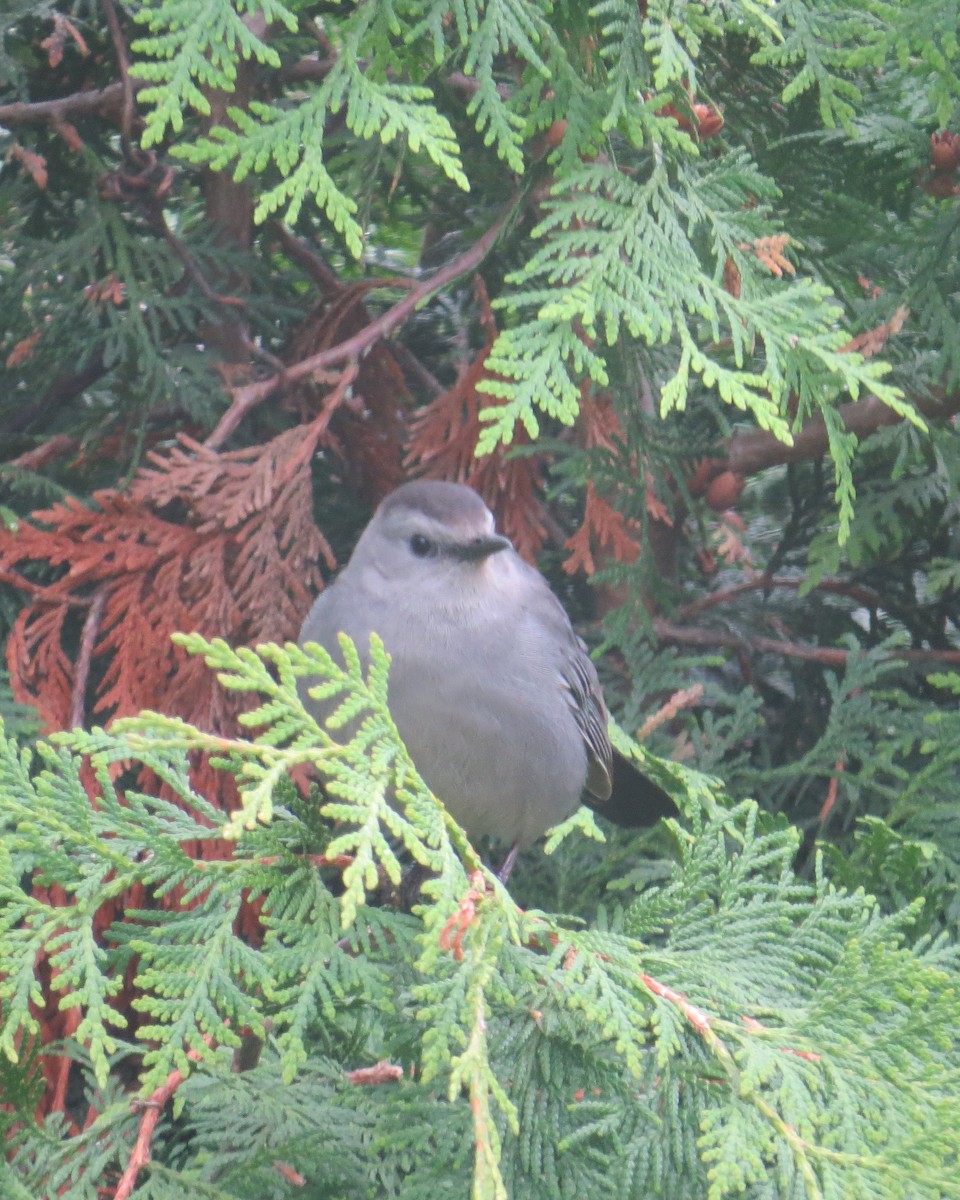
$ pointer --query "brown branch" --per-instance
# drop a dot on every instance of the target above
(247, 1055)
(63, 389)
(58, 446)
(748, 453)
(261, 352)
(381, 1072)
(99, 102)
(827, 656)
(289, 1174)
(314, 265)
(469, 85)
(238, 410)
(310, 70)
(415, 371)
(91, 627)
(152, 1107)
(128, 107)
(765, 582)
(318, 270)
(110, 100)
(833, 789)
(248, 397)
(158, 223)
(308, 259)
(679, 700)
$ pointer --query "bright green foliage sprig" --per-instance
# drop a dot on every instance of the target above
(197, 47)
(293, 138)
(732, 1030)
(641, 220)
(360, 775)
(924, 42)
(484, 33)
(619, 256)
(820, 39)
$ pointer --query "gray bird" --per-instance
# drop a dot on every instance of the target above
(492, 691)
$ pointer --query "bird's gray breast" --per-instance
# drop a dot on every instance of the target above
(478, 697)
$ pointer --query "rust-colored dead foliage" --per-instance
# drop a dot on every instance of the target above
(367, 430)
(603, 527)
(220, 543)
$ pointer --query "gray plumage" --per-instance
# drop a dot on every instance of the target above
(492, 691)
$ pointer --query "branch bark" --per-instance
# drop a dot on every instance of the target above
(248, 397)
(91, 627)
(861, 595)
(104, 102)
(748, 453)
(58, 446)
(128, 100)
(63, 389)
(828, 656)
(151, 1108)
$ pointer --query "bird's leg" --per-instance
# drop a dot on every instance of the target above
(506, 867)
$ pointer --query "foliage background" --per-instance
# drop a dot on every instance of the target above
(686, 274)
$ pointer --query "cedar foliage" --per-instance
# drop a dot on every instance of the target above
(685, 274)
(561, 1044)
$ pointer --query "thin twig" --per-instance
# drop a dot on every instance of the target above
(317, 268)
(248, 397)
(415, 371)
(329, 283)
(152, 1107)
(685, 698)
(308, 259)
(838, 587)
(766, 582)
(91, 627)
(159, 224)
(58, 446)
(828, 656)
(128, 109)
(260, 352)
(311, 431)
(748, 453)
(41, 593)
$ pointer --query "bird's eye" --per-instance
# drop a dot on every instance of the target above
(420, 545)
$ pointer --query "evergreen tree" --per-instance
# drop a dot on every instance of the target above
(673, 285)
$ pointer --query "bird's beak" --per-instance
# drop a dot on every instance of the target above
(482, 547)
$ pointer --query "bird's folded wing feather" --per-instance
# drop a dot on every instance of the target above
(583, 688)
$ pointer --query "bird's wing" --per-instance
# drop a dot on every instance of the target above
(578, 676)
(586, 700)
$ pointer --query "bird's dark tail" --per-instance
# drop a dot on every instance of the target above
(635, 801)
